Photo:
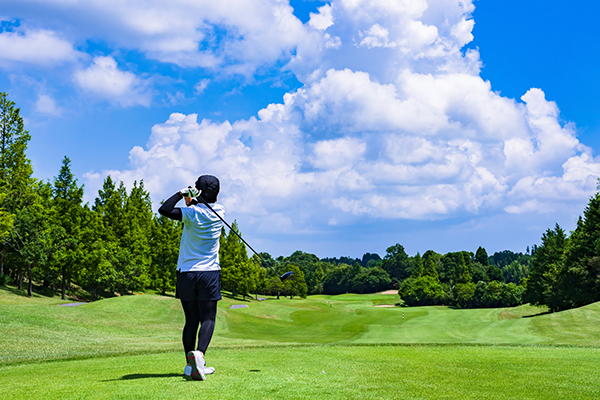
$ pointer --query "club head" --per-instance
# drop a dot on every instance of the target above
(286, 275)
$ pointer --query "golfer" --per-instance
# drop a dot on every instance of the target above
(198, 270)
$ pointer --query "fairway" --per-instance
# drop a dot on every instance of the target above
(330, 347)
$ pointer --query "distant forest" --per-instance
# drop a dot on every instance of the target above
(51, 242)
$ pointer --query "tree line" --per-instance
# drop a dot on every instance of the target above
(51, 240)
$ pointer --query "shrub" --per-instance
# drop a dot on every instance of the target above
(421, 291)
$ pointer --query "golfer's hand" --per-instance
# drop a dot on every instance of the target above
(189, 192)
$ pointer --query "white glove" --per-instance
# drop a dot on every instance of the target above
(189, 192)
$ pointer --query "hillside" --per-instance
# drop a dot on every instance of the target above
(152, 324)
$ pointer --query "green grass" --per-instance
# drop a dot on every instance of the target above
(321, 372)
(130, 347)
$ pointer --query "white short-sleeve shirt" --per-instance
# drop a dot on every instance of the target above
(199, 247)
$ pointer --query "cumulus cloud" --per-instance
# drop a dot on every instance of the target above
(105, 80)
(227, 36)
(400, 126)
(35, 46)
(323, 19)
(376, 36)
(364, 163)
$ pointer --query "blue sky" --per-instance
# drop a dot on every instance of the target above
(336, 128)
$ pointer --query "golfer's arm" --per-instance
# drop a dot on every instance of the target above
(168, 208)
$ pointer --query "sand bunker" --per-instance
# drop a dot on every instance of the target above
(392, 291)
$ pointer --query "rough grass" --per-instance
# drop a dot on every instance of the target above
(129, 347)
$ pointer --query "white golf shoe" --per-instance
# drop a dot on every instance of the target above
(197, 366)
(187, 371)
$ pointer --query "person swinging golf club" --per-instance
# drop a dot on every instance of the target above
(198, 270)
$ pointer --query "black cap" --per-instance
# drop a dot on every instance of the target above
(208, 183)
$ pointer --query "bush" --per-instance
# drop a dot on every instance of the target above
(497, 294)
(463, 294)
(4, 279)
(421, 291)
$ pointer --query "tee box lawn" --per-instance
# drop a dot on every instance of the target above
(324, 347)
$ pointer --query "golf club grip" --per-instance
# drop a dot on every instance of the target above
(238, 235)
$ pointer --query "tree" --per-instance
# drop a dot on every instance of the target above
(96, 269)
(579, 276)
(308, 264)
(481, 256)
(109, 205)
(138, 218)
(421, 291)
(515, 272)
(250, 271)
(15, 170)
(338, 279)
(456, 267)
(370, 260)
(295, 285)
(31, 237)
(6, 225)
(432, 262)
(66, 213)
(463, 294)
(232, 256)
(495, 274)
(371, 280)
(164, 243)
(317, 281)
(396, 262)
(541, 283)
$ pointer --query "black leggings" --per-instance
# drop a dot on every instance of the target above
(198, 313)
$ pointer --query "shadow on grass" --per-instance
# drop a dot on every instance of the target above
(236, 297)
(14, 290)
(143, 376)
(537, 315)
(37, 291)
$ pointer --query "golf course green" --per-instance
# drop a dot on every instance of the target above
(323, 347)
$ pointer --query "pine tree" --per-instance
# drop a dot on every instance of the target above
(15, 172)
(136, 237)
(579, 277)
(481, 256)
(166, 234)
(232, 257)
(31, 238)
(67, 213)
(431, 259)
(547, 261)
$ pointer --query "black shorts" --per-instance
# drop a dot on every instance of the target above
(198, 285)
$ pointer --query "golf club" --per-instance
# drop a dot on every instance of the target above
(282, 277)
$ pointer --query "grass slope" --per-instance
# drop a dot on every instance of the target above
(149, 323)
(129, 347)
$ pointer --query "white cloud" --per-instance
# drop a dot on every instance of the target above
(323, 19)
(201, 85)
(376, 36)
(338, 153)
(462, 31)
(46, 105)
(397, 124)
(227, 36)
(106, 81)
(40, 47)
(341, 137)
